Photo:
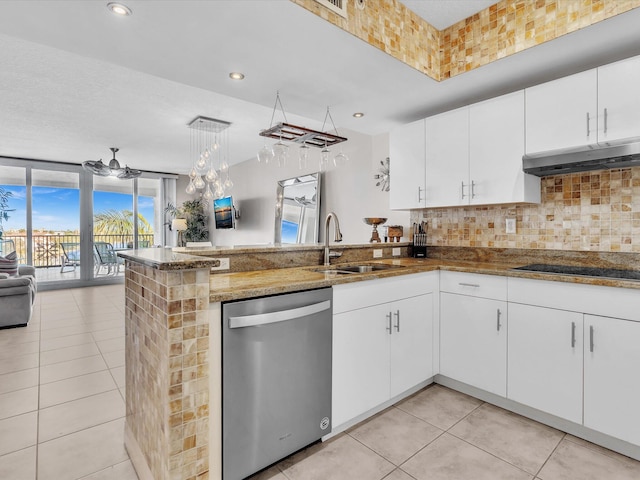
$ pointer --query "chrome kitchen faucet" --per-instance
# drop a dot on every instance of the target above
(328, 255)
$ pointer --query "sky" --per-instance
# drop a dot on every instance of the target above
(58, 209)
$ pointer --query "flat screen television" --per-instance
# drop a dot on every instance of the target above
(223, 212)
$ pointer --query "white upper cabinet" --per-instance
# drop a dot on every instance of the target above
(496, 147)
(619, 102)
(474, 155)
(562, 114)
(407, 163)
(599, 106)
(447, 158)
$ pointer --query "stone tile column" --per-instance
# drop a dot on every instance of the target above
(167, 372)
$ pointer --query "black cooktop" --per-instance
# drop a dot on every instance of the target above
(583, 271)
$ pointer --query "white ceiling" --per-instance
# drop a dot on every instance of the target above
(444, 13)
(75, 79)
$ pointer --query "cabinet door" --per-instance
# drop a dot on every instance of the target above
(611, 379)
(545, 360)
(562, 114)
(496, 147)
(618, 94)
(407, 166)
(411, 342)
(360, 362)
(473, 341)
(447, 153)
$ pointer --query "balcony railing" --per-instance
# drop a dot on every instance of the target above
(47, 251)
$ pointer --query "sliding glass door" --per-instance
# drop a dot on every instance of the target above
(70, 224)
(13, 186)
(113, 223)
(55, 225)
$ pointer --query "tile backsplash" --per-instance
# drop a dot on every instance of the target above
(589, 211)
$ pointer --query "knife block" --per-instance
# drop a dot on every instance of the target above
(419, 248)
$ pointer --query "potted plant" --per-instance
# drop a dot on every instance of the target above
(4, 207)
(195, 214)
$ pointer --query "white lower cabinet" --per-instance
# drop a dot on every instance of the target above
(360, 362)
(611, 377)
(379, 351)
(545, 360)
(473, 341)
(567, 361)
(411, 342)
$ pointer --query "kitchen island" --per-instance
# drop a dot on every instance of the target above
(173, 305)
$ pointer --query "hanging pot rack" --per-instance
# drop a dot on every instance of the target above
(297, 134)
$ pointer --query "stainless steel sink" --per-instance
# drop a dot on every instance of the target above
(355, 269)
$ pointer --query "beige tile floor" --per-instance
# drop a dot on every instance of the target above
(62, 416)
(62, 389)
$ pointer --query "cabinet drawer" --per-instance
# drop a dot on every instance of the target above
(593, 299)
(474, 285)
(364, 294)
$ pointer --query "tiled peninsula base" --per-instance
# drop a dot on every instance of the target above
(167, 372)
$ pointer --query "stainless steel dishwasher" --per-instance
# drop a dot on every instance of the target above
(276, 378)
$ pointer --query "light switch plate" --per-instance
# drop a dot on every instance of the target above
(377, 253)
(396, 252)
(510, 226)
(224, 265)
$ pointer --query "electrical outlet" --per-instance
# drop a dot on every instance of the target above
(510, 226)
(377, 253)
(224, 265)
(396, 252)
(566, 224)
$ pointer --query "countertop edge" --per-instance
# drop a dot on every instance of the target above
(165, 259)
(410, 266)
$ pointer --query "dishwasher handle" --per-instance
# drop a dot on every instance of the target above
(279, 316)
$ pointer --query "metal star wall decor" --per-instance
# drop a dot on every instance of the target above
(383, 175)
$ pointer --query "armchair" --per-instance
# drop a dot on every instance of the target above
(17, 295)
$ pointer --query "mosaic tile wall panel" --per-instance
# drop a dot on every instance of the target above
(511, 26)
(589, 211)
(505, 28)
(167, 346)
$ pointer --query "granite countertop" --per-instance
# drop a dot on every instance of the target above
(166, 259)
(236, 286)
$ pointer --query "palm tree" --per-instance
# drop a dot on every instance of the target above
(4, 207)
(119, 222)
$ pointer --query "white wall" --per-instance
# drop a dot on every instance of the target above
(349, 191)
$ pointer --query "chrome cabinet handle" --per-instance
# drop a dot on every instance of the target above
(573, 334)
(475, 285)
(498, 324)
(605, 120)
(591, 338)
(588, 129)
(397, 314)
(473, 189)
(389, 324)
(419, 195)
(462, 195)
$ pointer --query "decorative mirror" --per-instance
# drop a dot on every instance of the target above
(298, 209)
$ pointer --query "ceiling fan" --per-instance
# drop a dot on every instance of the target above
(111, 170)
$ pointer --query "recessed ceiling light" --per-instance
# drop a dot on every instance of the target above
(119, 9)
(358, 114)
(236, 76)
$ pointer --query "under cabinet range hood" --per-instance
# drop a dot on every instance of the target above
(598, 158)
